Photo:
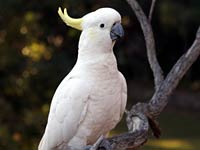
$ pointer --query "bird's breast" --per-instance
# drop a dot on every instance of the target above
(105, 97)
(103, 109)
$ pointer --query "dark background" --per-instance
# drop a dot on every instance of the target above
(37, 50)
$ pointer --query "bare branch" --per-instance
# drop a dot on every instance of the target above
(138, 133)
(159, 99)
(151, 10)
(150, 42)
(128, 140)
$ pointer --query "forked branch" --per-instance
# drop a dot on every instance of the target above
(149, 39)
(160, 97)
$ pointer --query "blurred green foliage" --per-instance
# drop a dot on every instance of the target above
(37, 50)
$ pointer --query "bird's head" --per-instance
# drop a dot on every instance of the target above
(101, 27)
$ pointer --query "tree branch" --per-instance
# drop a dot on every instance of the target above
(149, 39)
(138, 126)
(151, 10)
(159, 99)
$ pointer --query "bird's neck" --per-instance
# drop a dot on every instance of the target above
(103, 66)
(92, 43)
(96, 51)
(87, 57)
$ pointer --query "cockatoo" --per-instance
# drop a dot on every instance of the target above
(91, 99)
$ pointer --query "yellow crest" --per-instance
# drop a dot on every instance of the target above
(72, 22)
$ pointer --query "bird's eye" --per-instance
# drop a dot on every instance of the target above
(102, 25)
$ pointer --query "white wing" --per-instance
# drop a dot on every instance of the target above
(67, 111)
(124, 93)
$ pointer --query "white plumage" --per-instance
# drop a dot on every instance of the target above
(91, 99)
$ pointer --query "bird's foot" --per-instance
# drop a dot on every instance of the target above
(101, 144)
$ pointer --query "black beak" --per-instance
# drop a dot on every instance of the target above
(117, 31)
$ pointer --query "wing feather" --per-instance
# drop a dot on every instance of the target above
(66, 112)
(124, 93)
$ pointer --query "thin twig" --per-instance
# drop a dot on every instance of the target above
(151, 10)
(150, 42)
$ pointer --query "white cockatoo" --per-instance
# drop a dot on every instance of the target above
(91, 99)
